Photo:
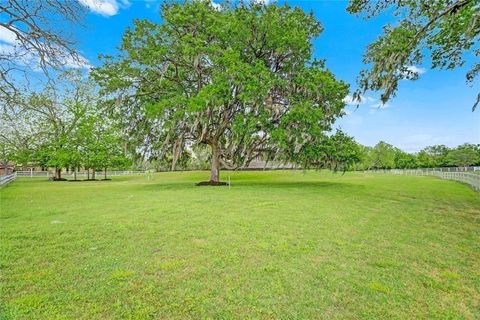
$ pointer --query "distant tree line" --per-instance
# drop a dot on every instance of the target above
(386, 156)
(62, 127)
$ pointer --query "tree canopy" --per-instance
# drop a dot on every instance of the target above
(240, 79)
(447, 29)
(465, 155)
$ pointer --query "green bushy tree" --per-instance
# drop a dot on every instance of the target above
(238, 79)
(464, 155)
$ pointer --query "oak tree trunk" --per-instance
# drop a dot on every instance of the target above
(215, 165)
(58, 173)
(93, 173)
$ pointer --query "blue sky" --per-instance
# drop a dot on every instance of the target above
(436, 109)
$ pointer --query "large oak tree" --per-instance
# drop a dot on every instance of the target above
(240, 79)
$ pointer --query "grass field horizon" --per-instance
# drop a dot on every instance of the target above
(277, 244)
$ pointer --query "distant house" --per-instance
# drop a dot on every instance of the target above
(259, 163)
(6, 167)
(29, 166)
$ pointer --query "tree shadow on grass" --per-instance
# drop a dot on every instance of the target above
(260, 184)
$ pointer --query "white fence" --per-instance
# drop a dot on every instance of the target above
(467, 175)
(4, 180)
(46, 174)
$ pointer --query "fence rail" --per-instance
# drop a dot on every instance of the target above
(4, 180)
(465, 175)
(46, 174)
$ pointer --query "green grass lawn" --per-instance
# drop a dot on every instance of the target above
(283, 244)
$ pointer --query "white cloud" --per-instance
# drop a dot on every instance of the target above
(79, 63)
(6, 49)
(415, 69)
(10, 47)
(373, 104)
(105, 7)
(349, 100)
(363, 100)
(215, 5)
(260, 1)
(7, 36)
